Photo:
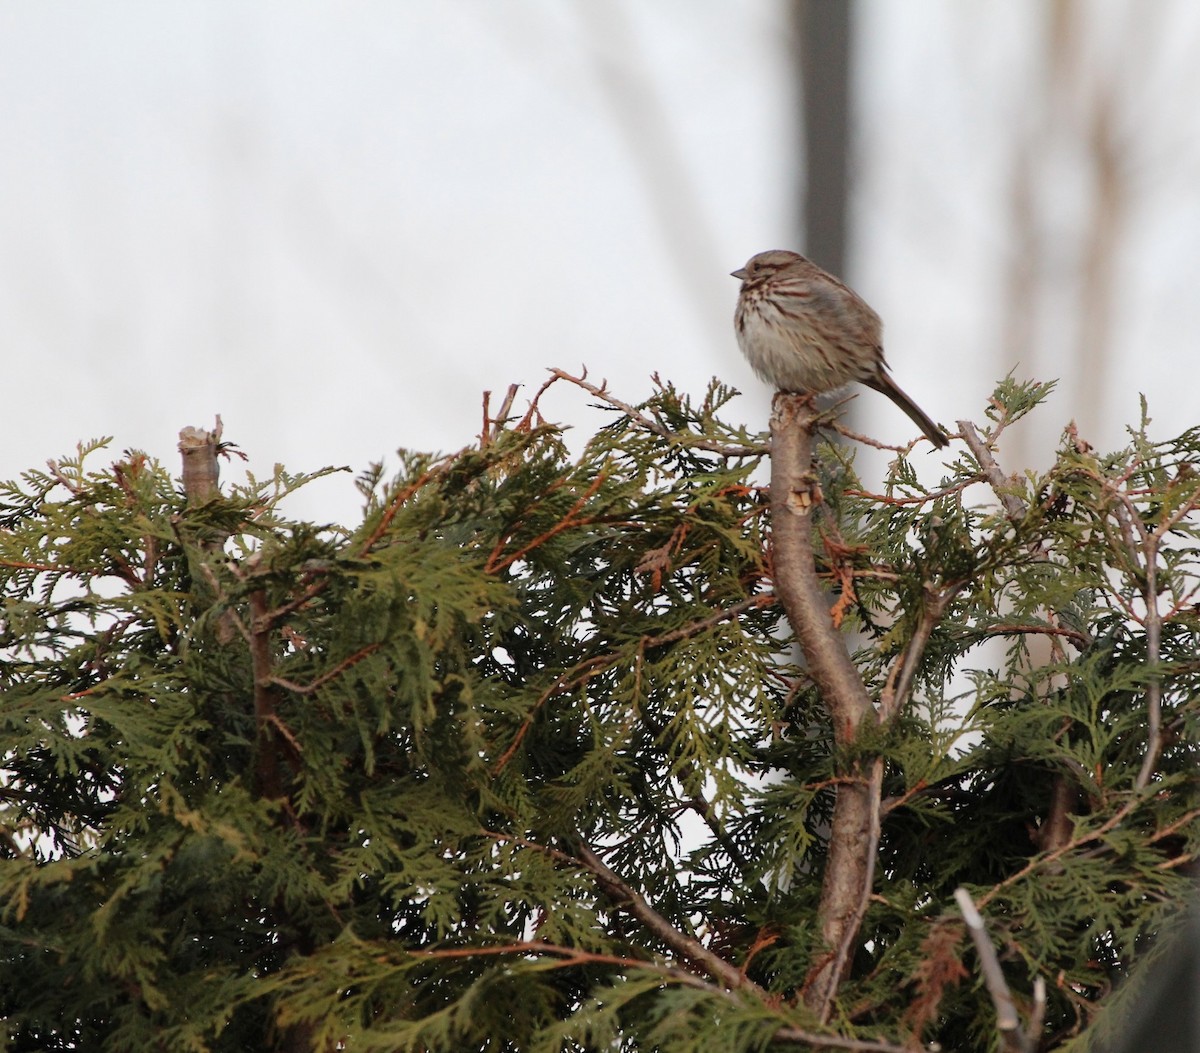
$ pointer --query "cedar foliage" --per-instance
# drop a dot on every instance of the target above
(419, 783)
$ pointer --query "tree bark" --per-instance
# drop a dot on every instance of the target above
(849, 867)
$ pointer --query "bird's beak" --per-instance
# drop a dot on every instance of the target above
(739, 273)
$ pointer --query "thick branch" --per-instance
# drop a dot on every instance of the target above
(200, 468)
(794, 498)
(853, 836)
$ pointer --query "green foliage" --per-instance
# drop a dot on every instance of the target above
(338, 787)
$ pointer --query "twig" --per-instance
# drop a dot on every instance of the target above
(324, 678)
(1153, 655)
(651, 425)
(1014, 507)
(916, 499)
(1011, 629)
(685, 946)
(568, 679)
(584, 671)
(572, 518)
(397, 502)
(574, 956)
(267, 760)
(1007, 1022)
(492, 425)
(534, 413)
(766, 599)
(1111, 823)
(904, 670)
(866, 440)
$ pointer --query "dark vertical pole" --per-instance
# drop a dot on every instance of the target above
(823, 29)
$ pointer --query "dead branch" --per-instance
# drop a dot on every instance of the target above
(1012, 1037)
(201, 470)
(1014, 507)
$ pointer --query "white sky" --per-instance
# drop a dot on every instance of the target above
(335, 224)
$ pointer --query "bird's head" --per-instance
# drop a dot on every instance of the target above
(764, 264)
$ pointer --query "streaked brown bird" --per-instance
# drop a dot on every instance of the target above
(802, 330)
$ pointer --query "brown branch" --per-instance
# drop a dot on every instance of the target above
(324, 678)
(49, 568)
(685, 946)
(918, 499)
(572, 956)
(1184, 820)
(704, 808)
(850, 861)
(568, 679)
(1009, 629)
(534, 413)
(397, 502)
(276, 615)
(904, 669)
(694, 628)
(649, 424)
(794, 499)
(1048, 859)
(866, 440)
(1014, 507)
(572, 518)
(854, 923)
(1153, 624)
(1143, 546)
(1154, 738)
(584, 671)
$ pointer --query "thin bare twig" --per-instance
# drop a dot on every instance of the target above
(866, 440)
(1014, 507)
(685, 946)
(766, 599)
(492, 425)
(584, 671)
(1153, 656)
(1012, 1038)
(324, 678)
(904, 670)
(649, 424)
(1012, 629)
